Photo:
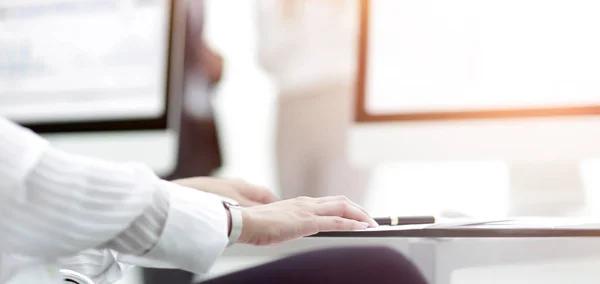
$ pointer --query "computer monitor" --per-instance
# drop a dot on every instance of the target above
(472, 80)
(95, 77)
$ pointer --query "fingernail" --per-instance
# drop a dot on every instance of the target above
(363, 225)
(373, 224)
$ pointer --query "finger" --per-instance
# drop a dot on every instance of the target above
(346, 210)
(267, 196)
(341, 198)
(334, 223)
(257, 194)
(245, 202)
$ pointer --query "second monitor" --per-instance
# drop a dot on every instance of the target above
(471, 80)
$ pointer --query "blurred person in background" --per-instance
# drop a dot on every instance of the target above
(199, 149)
(308, 47)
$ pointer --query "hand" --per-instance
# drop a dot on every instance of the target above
(211, 62)
(303, 216)
(242, 192)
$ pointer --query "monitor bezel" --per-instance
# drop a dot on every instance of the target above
(129, 124)
(361, 115)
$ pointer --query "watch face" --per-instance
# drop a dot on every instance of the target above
(230, 201)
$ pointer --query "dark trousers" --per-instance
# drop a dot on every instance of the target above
(377, 265)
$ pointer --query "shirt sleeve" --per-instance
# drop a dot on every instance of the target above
(275, 31)
(53, 205)
(100, 265)
(194, 235)
(189, 253)
(193, 214)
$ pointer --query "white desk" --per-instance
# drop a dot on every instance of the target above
(437, 258)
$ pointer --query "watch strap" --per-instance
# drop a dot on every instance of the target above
(236, 222)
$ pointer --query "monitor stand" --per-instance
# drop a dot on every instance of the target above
(552, 189)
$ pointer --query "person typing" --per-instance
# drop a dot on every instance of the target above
(62, 209)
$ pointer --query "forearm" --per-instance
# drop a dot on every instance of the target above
(201, 237)
(53, 205)
(69, 203)
(162, 225)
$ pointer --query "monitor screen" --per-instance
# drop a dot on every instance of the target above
(83, 60)
(440, 59)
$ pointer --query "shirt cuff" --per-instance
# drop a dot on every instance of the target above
(194, 236)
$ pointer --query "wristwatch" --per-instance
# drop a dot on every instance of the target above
(73, 277)
(236, 221)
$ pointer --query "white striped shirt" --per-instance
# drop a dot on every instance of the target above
(96, 217)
